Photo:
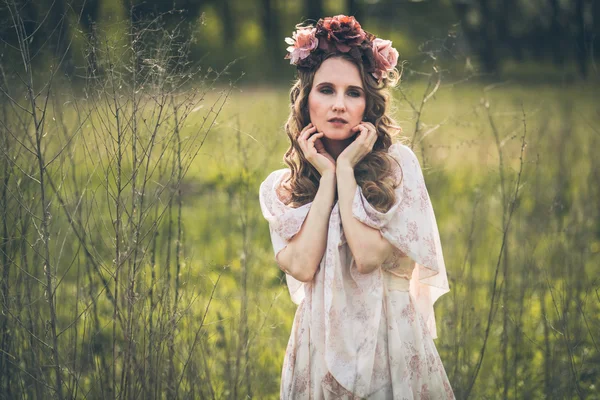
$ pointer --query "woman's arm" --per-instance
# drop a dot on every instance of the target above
(302, 256)
(369, 248)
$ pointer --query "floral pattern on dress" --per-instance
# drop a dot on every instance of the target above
(337, 391)
(408, 312)
(366, 335)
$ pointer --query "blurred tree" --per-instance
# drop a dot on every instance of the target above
(44, 26)
(556, 30)
(462, 9)
(271, 32)
(595, 30)
(596, 18)
(581, 45)
(355, 8)
(487, 30)
(226, 15)
(314, 9)
(509, 12)
(89, 12)
(553, 28)
(173, 12)
(564, 32)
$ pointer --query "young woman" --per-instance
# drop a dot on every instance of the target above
(353, 228)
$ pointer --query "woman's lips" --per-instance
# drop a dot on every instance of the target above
(337, 123)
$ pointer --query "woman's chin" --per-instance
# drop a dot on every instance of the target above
(337, 135)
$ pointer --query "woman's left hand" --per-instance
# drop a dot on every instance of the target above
(361, 146)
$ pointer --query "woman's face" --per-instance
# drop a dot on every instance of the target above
(337, 100)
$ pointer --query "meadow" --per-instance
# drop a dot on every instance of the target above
(136, 262)
(151, 273)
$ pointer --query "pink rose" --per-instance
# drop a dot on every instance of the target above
(386, 57)
(341, 32)
(302, 42)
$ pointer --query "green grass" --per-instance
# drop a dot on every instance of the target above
(543, 339)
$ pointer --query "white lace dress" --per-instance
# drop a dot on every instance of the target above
(366, 335)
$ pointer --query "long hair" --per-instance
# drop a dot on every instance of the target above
(374, 173)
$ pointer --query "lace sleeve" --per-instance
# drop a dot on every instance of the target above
(284, 223)
(410, 226)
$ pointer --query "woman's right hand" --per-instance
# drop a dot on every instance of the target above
(314, 151)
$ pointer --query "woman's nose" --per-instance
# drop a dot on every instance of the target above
(338, 104)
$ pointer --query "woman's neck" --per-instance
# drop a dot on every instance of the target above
(336, 147)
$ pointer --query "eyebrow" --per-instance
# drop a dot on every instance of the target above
(331, 84)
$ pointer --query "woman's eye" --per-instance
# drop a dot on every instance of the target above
(352, 93)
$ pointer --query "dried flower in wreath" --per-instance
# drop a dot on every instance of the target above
(342, 34)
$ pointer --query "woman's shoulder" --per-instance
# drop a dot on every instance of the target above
(401, 149)
(276, 176)
(277, 181)
(407, 166)
(405, 155)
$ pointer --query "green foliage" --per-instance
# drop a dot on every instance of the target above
(136, 262)
(550, 326)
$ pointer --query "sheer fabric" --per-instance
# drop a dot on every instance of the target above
(366, 335)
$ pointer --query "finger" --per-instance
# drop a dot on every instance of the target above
(368, 124)
(310, 146)
(315, 136)
(372, 136)
(307, 127)
(301, 140)
(312, 135)
(374, 140)
(362, 131)
(360, 128)
(367, 136)
(371, 131)
(310, 125)
(313, 139)
(306, 132)
(370, 127)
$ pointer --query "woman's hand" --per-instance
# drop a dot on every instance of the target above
(314, 151)
(360, 147)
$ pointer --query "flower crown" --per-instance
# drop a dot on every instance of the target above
(342, 34)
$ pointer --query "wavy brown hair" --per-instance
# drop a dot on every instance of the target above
(374, 173)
